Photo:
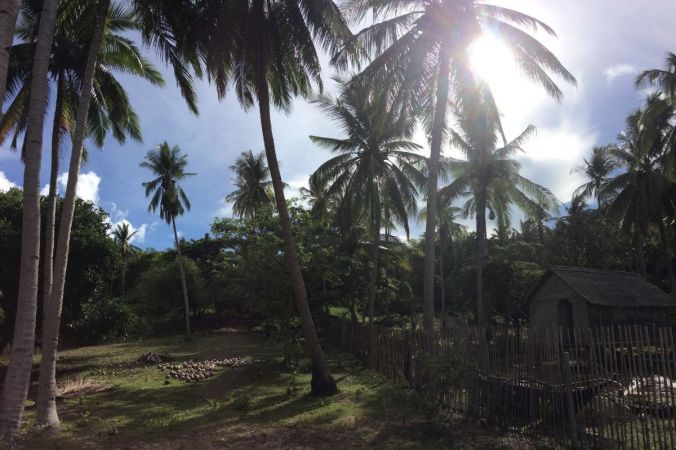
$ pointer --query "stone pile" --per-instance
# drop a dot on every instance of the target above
(193, 371)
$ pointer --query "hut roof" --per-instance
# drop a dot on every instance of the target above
(609, 288)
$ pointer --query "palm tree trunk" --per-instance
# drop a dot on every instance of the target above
(322, 382)
(374, 272)
(17, 378)
(666, 246)
(639, 254)
(48, 251)
(184, 286)
(481, 258)
(46, 401)
(9, 10)
(442, 247)
(124, 273)
(435, 153)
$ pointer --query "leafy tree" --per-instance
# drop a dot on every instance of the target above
(9, 11)
(664, 79)
(413, 47)
(168, 164)
(376, 168)
(252, 185)
(266, 49)
(490, 178)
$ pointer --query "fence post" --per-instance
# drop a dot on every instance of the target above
(570, 403)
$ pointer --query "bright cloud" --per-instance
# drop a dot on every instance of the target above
(119, 217)
(5, 184)
(618, 70)
(87, 185)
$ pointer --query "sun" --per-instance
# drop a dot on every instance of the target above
(494, 63)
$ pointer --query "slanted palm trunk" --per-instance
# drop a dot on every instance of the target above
(17, 378)
(373, 284)
(9, 10)
(435, 152)
(481, 258)
(46, 401)
(322, 382)
(184, 286)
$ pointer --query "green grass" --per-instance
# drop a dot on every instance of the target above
(263, 405)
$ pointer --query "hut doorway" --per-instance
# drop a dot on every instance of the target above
(565, 314)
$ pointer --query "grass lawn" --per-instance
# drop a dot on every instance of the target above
(114, 401)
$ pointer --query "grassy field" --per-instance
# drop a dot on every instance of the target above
(114, 401)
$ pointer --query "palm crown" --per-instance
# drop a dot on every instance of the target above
(123, 236)
(252, 185)
(167, 194)
(376, 163)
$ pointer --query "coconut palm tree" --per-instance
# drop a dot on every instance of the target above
(17, 377)
(123, 235)
(266, 48)
(643, 190)
(490, 177)
(253, 185)
(93, 38)
(413, 46)
(376, 163)
(596, 170)
(109, 111)
(664, 79)
(9, 10)
(447, 229)
(166, 193)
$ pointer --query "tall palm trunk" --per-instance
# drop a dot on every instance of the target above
(9, 10)
(322, 382)
(666, 246)
(435, 152)
(17, 379)
(46, 401)
(481, 257)
(639, 254)
(442, 248)
(374, 270)
(184, 286)
(48, 251)
(124, 273)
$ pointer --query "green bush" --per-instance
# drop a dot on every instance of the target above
(104, 319)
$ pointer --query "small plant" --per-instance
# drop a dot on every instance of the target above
(293, 387)
(241, 402)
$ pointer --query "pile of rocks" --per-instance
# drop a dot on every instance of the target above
(194, 371)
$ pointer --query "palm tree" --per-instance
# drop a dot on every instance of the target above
(416, 50)
(124, 236)
(9, 10)
(17, 378)
(596, 169)
(252, 185)
(490, 177)
(375, 165)
(167, 194)
(93, 38)
(266, 48)
(447, 228)
(109, 110)
(664, 79)
(643, 189)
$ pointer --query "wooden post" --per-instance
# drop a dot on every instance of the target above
(570, 402)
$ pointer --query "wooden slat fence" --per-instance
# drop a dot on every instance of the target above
(612, 387)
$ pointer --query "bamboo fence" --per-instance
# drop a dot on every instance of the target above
(609, 387)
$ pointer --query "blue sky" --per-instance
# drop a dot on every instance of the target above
(604, 43)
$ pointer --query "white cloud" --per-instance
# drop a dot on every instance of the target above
(87, 185)
(5, 184)
(45, 190)
(618, 70)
